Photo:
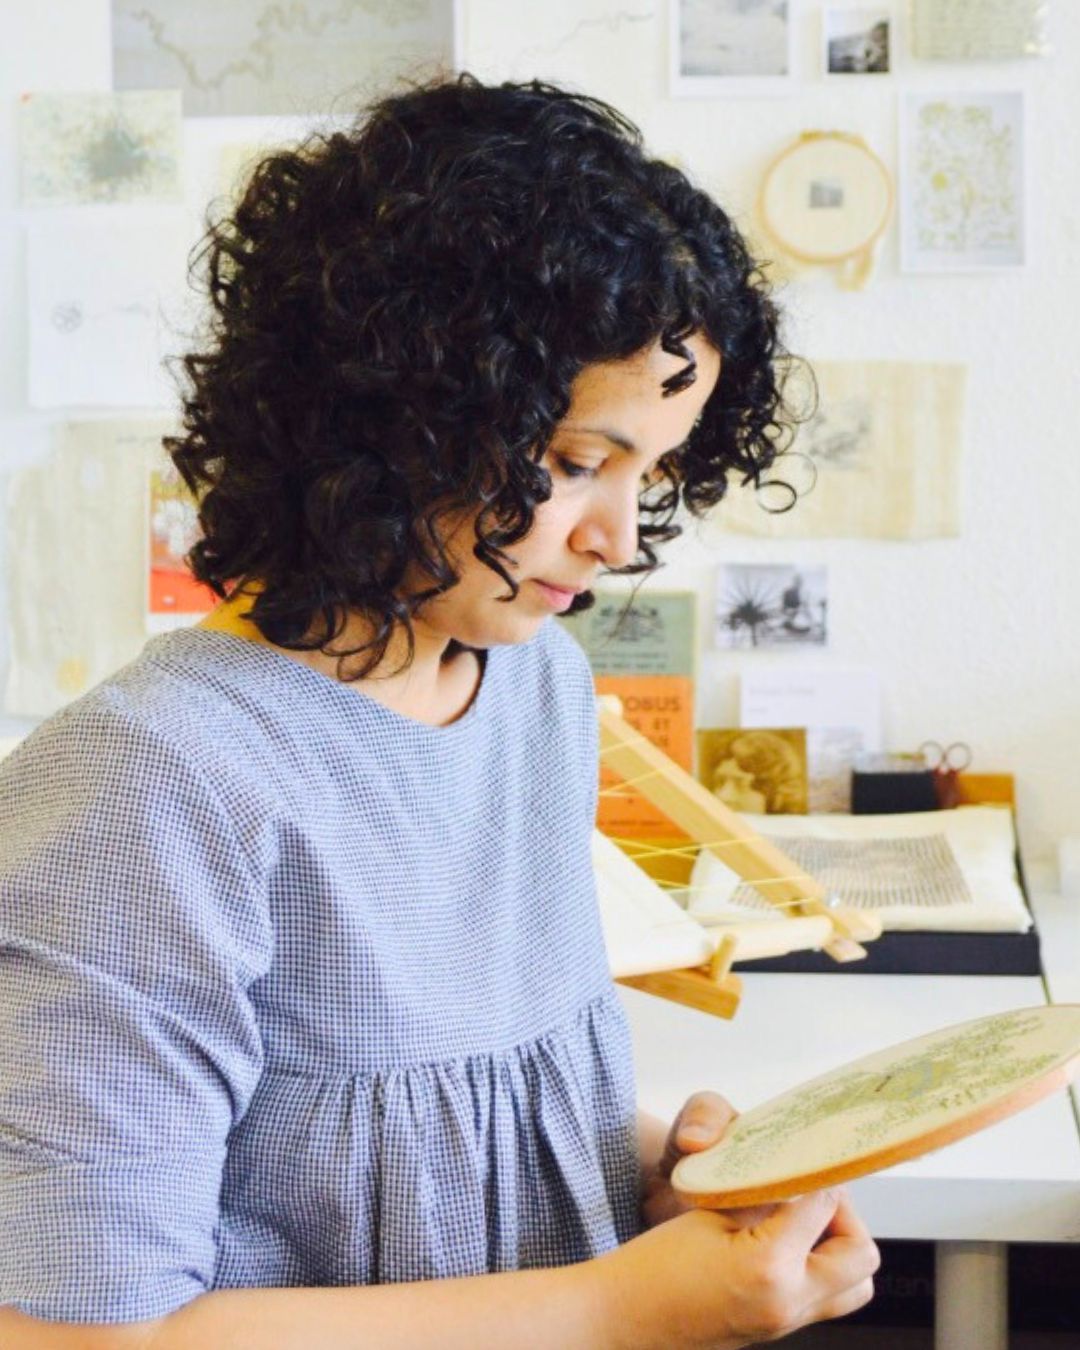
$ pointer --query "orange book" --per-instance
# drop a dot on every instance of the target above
(661, 707)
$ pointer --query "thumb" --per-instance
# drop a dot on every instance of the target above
(701, 1123)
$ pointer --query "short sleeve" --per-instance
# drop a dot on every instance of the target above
(132, 928)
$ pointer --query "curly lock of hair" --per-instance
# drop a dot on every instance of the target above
(397, 316)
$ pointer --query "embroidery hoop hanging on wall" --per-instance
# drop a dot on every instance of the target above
(825, 201)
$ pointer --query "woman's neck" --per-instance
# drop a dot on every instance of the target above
(437, 687)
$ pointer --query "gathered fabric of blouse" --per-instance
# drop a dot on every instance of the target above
(295, 990)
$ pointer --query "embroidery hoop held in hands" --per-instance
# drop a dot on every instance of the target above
(826, 200)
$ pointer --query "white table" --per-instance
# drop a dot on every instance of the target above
(1018, 1181)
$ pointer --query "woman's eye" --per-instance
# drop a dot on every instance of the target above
(571, 469)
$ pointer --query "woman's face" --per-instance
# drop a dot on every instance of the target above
(618, 426)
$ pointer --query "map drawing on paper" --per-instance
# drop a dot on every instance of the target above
(963, 200)
(888, 1100)
(276, 56)
(83, 148)
(103, 302)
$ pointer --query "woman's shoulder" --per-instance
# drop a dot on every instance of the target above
(175, 708)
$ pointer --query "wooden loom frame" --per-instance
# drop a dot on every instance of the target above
(811, 918)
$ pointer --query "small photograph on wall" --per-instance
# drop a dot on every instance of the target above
(756, 769)
(857, 40)
(962, 182)
(771, 605)
(720, 47)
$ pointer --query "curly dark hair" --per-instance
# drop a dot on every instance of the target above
(397, 315)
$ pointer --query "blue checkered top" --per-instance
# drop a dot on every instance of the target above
(297, 991)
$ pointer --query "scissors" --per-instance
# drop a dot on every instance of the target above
(954, 758)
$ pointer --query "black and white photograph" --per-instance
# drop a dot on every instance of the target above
(771, 605)
(730, 46)
(857, 41)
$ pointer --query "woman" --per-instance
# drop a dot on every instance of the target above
(308, 1033)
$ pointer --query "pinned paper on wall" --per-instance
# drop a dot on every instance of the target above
(813, 697)
(76, 544)
(962, 182)
(840, 710)
(958, 30)
(586, 44)
(174, 598)
(258, 57)
(105, 303)
(100, 147)
(879, 458)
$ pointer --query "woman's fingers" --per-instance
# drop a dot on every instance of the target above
(701, 1122)
(840, 1305)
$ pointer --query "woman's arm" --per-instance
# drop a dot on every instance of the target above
(702, 1281)
(652, 1135)
(532, 1308)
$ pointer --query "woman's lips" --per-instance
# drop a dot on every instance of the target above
(558, 598)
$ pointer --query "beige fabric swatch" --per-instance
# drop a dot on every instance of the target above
(76, 561)
(879, 459)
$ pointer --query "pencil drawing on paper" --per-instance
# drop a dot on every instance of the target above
(840, 435)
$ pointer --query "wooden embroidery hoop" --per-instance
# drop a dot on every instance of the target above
(808, 917)
(887, 1108)
(797, 207)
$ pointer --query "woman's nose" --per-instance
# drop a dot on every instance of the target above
(610, 529)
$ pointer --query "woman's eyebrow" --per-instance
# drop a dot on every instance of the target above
(617, 438)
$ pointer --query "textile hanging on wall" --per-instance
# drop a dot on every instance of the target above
(878, 459)
(76, 561)
(825, 201)
(979, 30)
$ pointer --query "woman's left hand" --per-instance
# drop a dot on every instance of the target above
(701, 1123)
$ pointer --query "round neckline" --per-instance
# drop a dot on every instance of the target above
(267, 657)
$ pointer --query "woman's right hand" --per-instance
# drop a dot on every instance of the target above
(719, 1280)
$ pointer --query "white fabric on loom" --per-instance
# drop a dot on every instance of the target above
(978, 840)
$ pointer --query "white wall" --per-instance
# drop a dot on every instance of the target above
(975, 638)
